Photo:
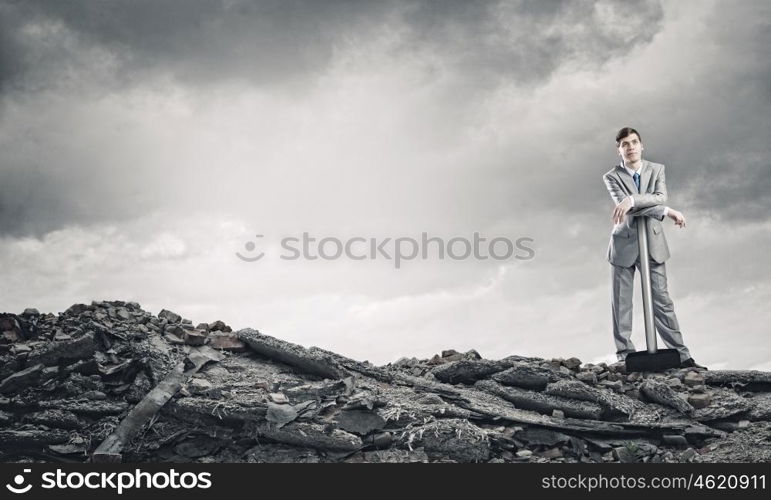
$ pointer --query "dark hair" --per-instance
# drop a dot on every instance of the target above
(624, 132)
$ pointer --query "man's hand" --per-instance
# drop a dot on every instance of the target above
(676, 216)
(621, 210)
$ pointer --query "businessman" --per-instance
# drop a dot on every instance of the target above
(638, 188)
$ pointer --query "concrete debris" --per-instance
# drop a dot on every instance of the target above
(108, 382)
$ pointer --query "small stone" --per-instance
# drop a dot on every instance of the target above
(692, 379)
(173, 339)
(618, 367)
(587, 377)
(94, 395)
(21, 349)
(688, 455)
(195, 338)
(472, 355)
(572, 364)
(633, 393)
(226, 342)
(557, 413)
(524, 453)
(743, 424)
(199, 386)
(203, 326)
(699, 400)
(615, 385)
(675, 440)
(219, 326)
(624, 455)
(10, 336)
(169, 316)
(278, 397)
(436, 360)
(30, 311)
(551, 453)
(61, 337)
(122, 314)
(174, 330)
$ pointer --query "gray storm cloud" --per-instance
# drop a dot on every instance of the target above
(58, 58)
(266, 42)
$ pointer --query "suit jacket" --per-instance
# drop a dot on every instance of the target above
(649, 202)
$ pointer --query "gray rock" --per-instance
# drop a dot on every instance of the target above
(572, 364)
(688, 455)
(361, 422)
(624, 455)
(699, 400)
(693, 379)
(70, 351)
(587, 377)
(22, 379)
(675, 440)
(467, 371)
(169, 316)
(663, 394)
(534, 436)
(528, 376)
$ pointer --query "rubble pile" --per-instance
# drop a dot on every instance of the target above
(110, 382)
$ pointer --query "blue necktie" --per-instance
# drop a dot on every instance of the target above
(637, 180)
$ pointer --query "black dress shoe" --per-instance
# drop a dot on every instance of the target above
(690, 363)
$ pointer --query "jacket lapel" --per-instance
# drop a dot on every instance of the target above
(626, 179)
(645, 176)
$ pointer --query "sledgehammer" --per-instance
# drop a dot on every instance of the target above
(651, 360)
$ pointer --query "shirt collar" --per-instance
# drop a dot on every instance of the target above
(630, 171)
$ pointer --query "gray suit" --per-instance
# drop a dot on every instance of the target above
(624, 256)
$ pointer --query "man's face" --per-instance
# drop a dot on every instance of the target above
(630, 148)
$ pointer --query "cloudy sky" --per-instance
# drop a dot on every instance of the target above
(145, 143)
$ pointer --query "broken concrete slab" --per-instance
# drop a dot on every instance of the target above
(311, 360)
(540, 402)
(467, 371)
(751, 380)
(309, 435)
(665, 395)
(22, 379)
(58, 353)
(614, 405)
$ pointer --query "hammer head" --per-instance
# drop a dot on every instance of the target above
(659, 361)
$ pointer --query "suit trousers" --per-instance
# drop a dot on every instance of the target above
(664, 318)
